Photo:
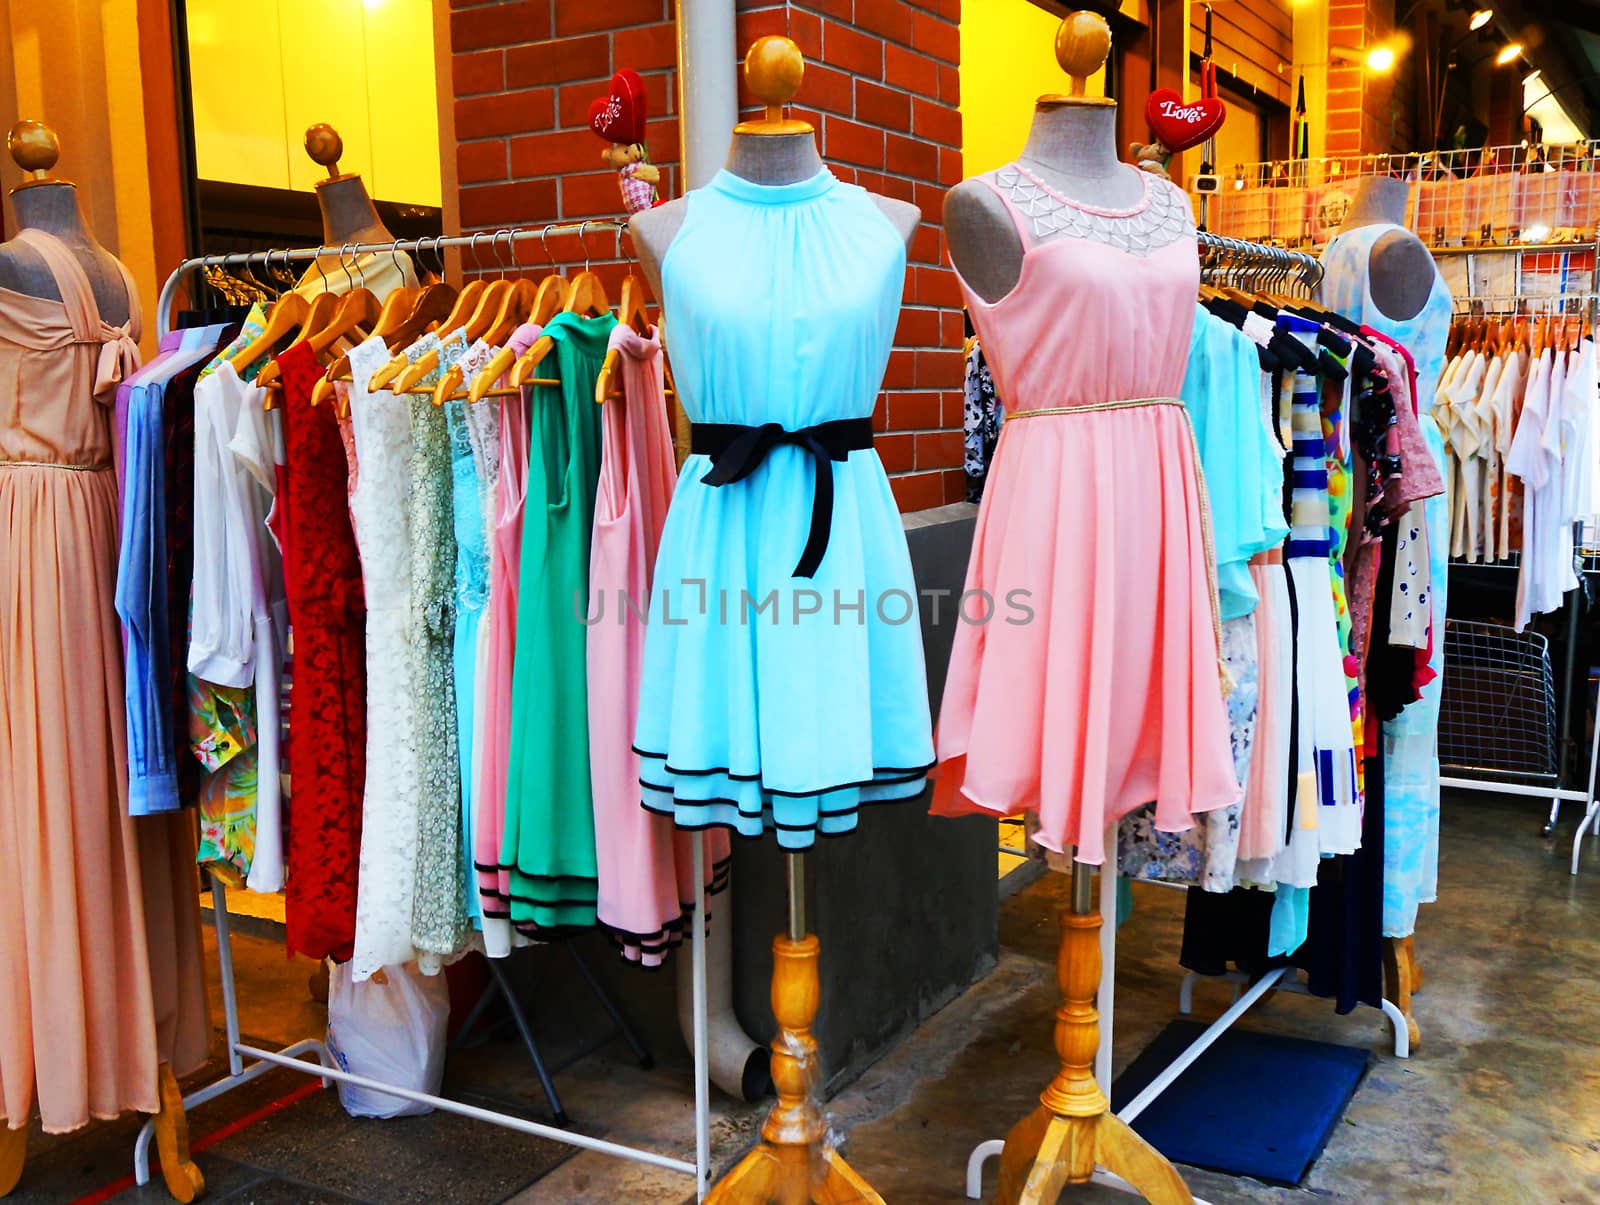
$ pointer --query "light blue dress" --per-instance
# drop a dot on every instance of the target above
(1410, 740)
(770, 701)
(472, 598)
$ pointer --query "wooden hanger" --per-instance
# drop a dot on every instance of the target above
(465, 301)
(550, 296)
(630, 313)
(288, 313)
(360, 308)
(588, 296)
(517, 301)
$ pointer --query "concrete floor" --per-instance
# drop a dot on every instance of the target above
(1501, 1103)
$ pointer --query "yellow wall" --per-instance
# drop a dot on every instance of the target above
(264, 70)
(1008, 61)
(74, 64)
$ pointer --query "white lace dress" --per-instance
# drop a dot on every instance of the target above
(387, 887)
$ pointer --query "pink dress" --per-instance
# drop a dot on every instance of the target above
(646, 865)
(494, 726)
(1094, 687)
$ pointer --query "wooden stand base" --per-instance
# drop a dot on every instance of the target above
(793, 1164)
(13, 1153)
(183, 1179)
(1401, 977)
(1073, 1129)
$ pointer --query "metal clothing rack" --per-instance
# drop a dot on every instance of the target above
(1502, 722)
(1248, 263)
(298, 1057)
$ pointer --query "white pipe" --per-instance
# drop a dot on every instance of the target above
(702, 1087)
(708, 88)
(708, 107)
(504, 1120)
(739, 1066)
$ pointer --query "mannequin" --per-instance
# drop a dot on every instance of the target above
(165, 844)
(348, 214)
(1400, 268)
(51, 205)
(1072, 147)
(762, 157)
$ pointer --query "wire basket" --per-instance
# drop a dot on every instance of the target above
(1497, 712)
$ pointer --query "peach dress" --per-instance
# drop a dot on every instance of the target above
(86, 914)
(1087, 683)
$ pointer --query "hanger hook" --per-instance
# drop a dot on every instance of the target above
(544, 241)
(349, 279)
(583, 228)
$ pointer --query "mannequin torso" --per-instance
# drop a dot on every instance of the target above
(1400, 268)
(1073, 149)
(52, 206)
(348, 215)
(761, 159)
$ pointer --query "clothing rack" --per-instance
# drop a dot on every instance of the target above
(298, 1056)
(1238, 261)
(511, 236)
(1523, 301)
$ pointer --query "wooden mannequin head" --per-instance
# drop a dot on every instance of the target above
(348, 214)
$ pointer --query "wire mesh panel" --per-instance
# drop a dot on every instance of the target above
(1497, 714)
(1485, 196)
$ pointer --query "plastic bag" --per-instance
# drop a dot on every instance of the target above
(392, 1031)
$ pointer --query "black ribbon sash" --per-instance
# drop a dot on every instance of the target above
(737, 451)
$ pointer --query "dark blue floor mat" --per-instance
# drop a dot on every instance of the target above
(1254, 1104)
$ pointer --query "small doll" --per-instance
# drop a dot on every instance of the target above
(619, 120)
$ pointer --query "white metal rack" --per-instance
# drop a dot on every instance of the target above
(310, 1057)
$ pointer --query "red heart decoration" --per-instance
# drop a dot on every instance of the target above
(1178, 124)
(620, 117)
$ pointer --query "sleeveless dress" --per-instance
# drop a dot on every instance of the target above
(505, 564)
(1410, 740)
(388, 868)
(439, 917)
(77, 1018)
(1103, 692)
(766, 701)
(548, 846)
(328, 706)
(646, 884)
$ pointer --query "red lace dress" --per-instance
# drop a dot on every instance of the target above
(328, 713)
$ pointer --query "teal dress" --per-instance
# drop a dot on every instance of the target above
(548, 841)
(783, 684)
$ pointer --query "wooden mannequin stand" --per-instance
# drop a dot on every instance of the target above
(793, 1165)
(1073, 1129)
(50, 203)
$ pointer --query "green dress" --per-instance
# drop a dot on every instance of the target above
(548, 845)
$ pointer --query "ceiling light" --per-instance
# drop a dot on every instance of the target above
(1480, 18)
(1380, 58)
(1509, 53)
(1536, 234)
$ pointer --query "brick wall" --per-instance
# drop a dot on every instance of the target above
(1368, 113)
(881, 86)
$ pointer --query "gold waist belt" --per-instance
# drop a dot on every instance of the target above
(1124, 404)
(45, 464)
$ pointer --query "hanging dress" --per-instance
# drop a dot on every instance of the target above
(783, 682)
(77, 1019)
(1111, 695)
(328, 708)
(548, 846)
(505, 564)
(1410, 741)
(646, 884)
(387, 881)
(439, 917)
